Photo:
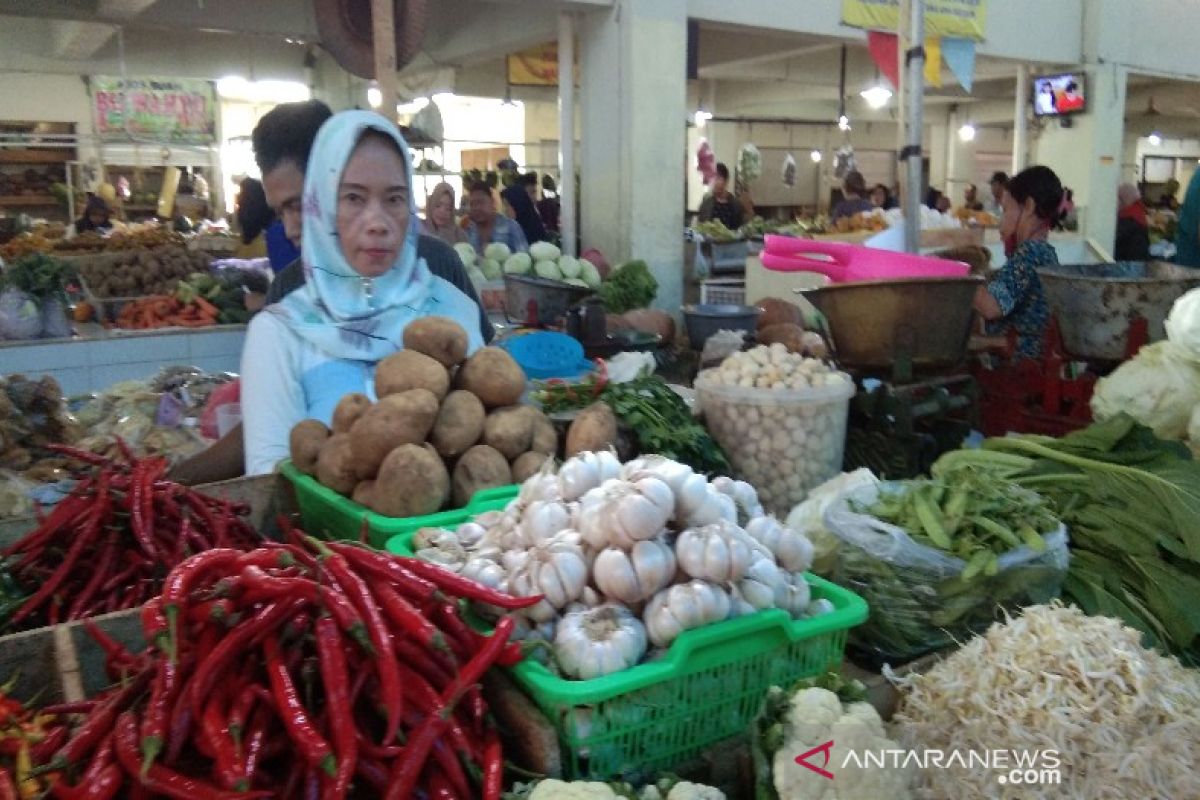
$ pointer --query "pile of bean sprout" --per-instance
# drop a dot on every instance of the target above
(1125, 720)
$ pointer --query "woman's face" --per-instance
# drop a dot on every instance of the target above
(878, 197)
(1019, 220)
(718, 184)
(441, 210)
(372, 207)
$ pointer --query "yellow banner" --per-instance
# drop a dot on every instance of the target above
(963, 19)
(933, 61)
(537, 66)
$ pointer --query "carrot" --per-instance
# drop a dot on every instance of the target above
(206, 306)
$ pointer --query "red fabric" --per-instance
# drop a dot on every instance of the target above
(1135, 211)
(224, 394)
(885, 52)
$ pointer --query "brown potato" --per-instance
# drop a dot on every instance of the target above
(493, 377)
(364, 493)
(777, 311)
(481, 467)
(509, 430)
(348, 410)
(397, 419)
(305, 442)
(439, 338)
(459, 423)
(335, 465)
(528, 464)
(789, 335)
(412, 482)
(545, 435)
(409, 369)
(595, 428)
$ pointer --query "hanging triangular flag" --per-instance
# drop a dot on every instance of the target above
(933, 61)
(959, 55)
(884, 48)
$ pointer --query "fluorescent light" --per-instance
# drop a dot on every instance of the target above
(412, 107)
(232, 86)
(843, 123)
(967, 132)
(877, 96)
(815, 155)
(701, 117)
(374, 96)
(1155, 139)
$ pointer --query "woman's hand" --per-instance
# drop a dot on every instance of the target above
(986, 305)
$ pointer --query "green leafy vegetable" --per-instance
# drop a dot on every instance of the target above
(40, 276)
(629, 286)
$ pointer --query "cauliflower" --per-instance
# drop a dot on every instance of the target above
(815, 716)
(551, 789)
(680, 790)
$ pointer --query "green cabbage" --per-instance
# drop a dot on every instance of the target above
(497, 251)
(576, 282)
(518, 264)
(491, 269)
(548, 270)
(569, 266)
(1159, 387)
(466, 253)
(589, 273)
(544, 251)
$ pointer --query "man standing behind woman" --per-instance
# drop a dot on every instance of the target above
(439, 219)
(485, 225)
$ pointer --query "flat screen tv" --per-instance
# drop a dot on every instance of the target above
(1057, 95)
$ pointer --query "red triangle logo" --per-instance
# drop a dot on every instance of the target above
(802, 759)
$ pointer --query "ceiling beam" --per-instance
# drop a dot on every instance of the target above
(78, 41)
(123, 9)
(709, 70)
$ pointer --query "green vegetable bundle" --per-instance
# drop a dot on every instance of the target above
(629, 286)
(937, 560)
(1132, 505)
(40, 276)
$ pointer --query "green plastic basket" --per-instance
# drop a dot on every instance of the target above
(330, 515)
(708, 687)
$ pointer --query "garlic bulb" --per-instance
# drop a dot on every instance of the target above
(601, 641)
(526, 630)
(635, 575)
(481, 570)
(470, 534)
(743, 494)
(583, 472)
(792, 549)
(589, 599)
(555, 569)
(543, 486)
(682, 607)
(619, 514)
(719, 552)
(819, 608)
(762, 584)
(794, 596)
(543, 520)
(713, 507)
(439, 546)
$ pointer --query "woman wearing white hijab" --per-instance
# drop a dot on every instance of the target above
(364, 282)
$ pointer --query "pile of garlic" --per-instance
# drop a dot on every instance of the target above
(629, 556)
(773, 367)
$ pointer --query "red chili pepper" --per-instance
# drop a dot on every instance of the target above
(80, 455)
(215, 729)
(374, 773)
(214, 525)
(405, 771)
(309, 742)
(99, 723)
(427, 700)
(386, 567)
(405, 616)
(154, 720)
(114, 652)
(440, 788)
(385, 657)
(465, 588)
(100, 572)
(434, 667)
(239, 711)
(451, 769)
(162, 780)
(67, 514)
(463, 641)
(81, 542)
(256, 741)
(139, 523)
(260, 585)
(104, 785)
(40, 753)
(154, 622)
(336, 682)
(493, 766)
(179, 582)
(78, 707)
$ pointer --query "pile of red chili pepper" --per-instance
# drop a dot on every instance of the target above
(107, 546)
(27, 736)
(301, 669)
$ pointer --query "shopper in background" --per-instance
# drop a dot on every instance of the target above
(253, 216)
(854, 197)
(1187, 229)
(549, 208)
(720, 203)
(1133, 229)
(96, 216)
(881, 198)
(1015, 299)
(485, 225)
(1168, 200)
(439, 219)
(994, 205)
(971, 198)
(365, 281)
(524, 212)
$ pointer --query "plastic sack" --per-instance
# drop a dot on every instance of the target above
(224, 394)
(20, 317)
(918, 601)
(55, 324)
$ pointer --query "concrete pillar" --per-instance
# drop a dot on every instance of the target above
(1020, 156)
(1107, 112)
(566, 130)
(633, 99)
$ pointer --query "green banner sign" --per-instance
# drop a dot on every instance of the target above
(161, 110)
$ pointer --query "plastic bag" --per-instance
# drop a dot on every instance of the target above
(808, 517)
(918, 601)
(54, 319)
(229, 393)
(20, 317)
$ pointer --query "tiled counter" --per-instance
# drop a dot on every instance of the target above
(96, 358)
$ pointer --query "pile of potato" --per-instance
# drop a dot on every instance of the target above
(445, 427)
(138, 273)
